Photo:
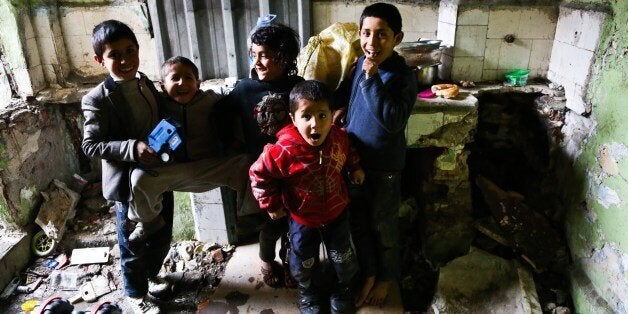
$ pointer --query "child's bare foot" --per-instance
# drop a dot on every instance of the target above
(378, 294)
(270, 273)
(364, 292)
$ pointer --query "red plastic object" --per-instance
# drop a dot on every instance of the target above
(427, 94)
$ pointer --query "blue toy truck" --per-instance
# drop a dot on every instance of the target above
(165, 139)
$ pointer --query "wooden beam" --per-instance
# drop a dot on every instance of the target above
(230, 40)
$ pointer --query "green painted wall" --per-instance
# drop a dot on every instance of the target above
(597, 218)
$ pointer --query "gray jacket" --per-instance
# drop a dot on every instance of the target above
(107, 135)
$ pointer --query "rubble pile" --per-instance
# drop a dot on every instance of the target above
(83, 267)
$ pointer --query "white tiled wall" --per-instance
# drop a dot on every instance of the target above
(77, 24)
(418, 21)
(51, 45)
(573, 53)
(479, 33)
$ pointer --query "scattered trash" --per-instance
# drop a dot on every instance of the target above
(95, 255)
(29, 305)
(427, 94)
(58, 206)
(92, 290)
(467, 84)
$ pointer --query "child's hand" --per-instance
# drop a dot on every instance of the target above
(369, 67)
(146, 155)
(357, 177)
(277, 214)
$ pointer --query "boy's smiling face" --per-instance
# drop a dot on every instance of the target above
(180, 83)
(120, 58)
(265, 66)
(377, 39)
(313, 120)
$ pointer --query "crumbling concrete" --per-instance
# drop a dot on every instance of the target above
(480, 282)
(35, 148)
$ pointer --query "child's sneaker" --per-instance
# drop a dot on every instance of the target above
(341, 301)
(145, 229)
(309, 301)
(142, 305)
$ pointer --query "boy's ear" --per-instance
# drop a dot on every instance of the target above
(163, 88)
(291, 117)
(398, 38)
(99, 60)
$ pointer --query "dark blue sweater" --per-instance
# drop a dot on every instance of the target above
(378, 112)
(243, 98)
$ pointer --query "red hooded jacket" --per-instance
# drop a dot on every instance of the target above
(306, 180)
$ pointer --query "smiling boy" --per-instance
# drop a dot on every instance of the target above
(382, 94)
(302, 176)
(119, 114)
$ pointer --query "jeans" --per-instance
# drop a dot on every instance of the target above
(140, 263)
(304, 250)
(374, 211)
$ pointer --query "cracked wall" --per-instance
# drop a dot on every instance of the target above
(597, 191)
(36, 146)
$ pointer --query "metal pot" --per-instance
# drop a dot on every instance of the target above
(425, 75)
(421, 52)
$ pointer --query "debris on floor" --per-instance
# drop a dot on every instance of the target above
(82, 270)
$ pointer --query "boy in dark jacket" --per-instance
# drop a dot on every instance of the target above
(302, 176)
(119, 114)
(383, 91)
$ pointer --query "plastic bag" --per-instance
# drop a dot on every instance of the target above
(328, 56)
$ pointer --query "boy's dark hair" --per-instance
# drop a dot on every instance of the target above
(386, 12)
(283, 41)
(108, 32)
(178, 59)
(311, 90)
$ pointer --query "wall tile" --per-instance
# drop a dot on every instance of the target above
(446, 33)
(49, 73)
(447, 12)
(473, 16)
(72, 23)
(418, 18)
(341, 12)
(491, 54)
(32, 53)
(490, 75)
(470, 41)
(41, 23)
(26, 26)
(537, 23)
(77, 48)
(444, 70)
(515, 55)
(540, 54)
(503, 21)
(538, 72)
(61, 51)
(320, 16)
(579, 28)
(37, 78)
(571, 62)
(47, 50)
(467, 68)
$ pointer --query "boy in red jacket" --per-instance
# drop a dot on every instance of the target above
(302, 175)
